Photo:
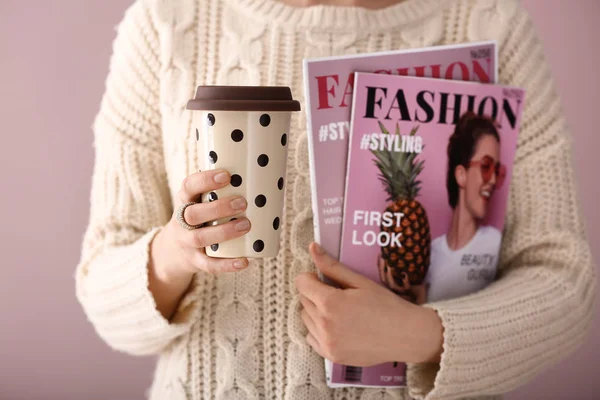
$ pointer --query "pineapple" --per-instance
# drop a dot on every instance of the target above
(399, 174)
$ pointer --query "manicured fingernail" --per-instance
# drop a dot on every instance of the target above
(221, 177)
(238, 203)
(243, 225)
(239, 264)
(319, 249)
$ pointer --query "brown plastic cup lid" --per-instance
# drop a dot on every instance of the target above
(243, 98)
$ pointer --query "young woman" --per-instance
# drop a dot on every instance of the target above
(227, 329)
(464, 260)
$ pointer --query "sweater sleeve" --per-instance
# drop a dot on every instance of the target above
(540, 309)
(130, 199)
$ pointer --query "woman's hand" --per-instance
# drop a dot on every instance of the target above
(177, 253)
(362, 323)
(183, 250)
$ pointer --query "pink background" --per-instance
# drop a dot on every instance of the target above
(330, 171)
(53, 65)
(364, 190)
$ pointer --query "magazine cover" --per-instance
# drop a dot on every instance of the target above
(328, 92)
(427, 186)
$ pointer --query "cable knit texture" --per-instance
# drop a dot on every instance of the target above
(239, 336)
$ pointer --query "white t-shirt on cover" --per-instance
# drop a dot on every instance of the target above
(455, 273)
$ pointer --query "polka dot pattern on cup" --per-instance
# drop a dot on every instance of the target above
(265, 120)
(263, 160)
(260, 200)
(236, 180)
(210, 120)
(255, 167)
(237, 135)
(258, 246)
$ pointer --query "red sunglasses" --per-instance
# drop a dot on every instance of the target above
(489, 167)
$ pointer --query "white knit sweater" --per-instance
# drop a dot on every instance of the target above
(239, 335)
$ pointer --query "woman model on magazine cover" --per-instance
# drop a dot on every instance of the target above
(227, 328)
(464, 259)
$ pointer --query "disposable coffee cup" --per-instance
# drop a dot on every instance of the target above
(245, 130)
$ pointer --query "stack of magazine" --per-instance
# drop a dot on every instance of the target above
(411, 153)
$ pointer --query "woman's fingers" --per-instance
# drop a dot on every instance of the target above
(201, 182)
(203, 212)
(312, 341)
(308, 321)
(204, 237)
(214, 265)
(188, 246)
(308, 305)
(307, 313)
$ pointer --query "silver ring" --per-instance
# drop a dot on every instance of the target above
(181, 219)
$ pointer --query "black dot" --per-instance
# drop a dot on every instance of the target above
(265, 120)
(212, 196)
(284, 139)
(197, 134)
(212, 157)
(210, 120)
(236, 180)
(263, 160)
(276, 223)
(237, 135)
(233, 219)
(214, 247)
(280, 183)
(260, 200)
(258, 246)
